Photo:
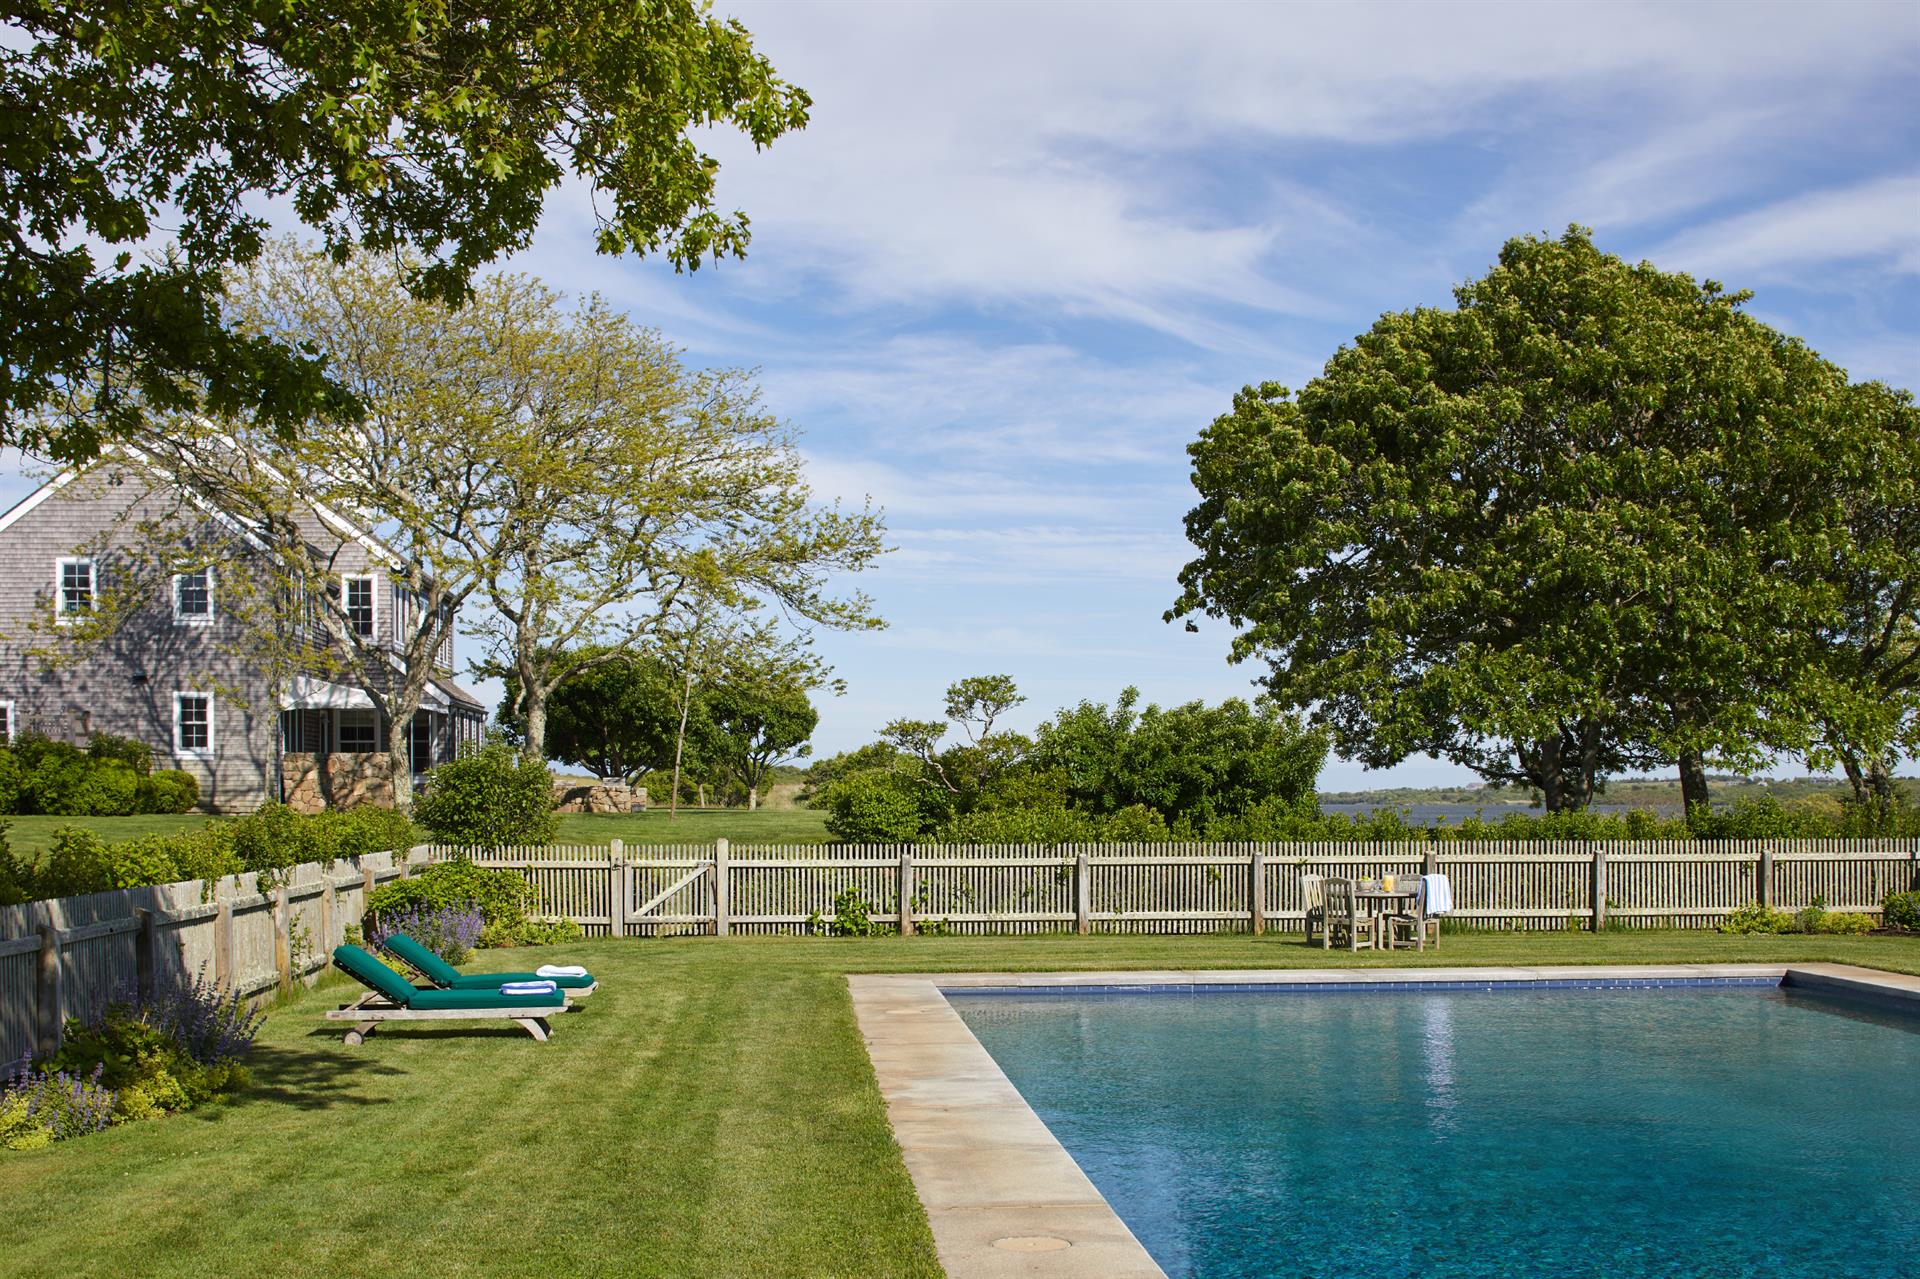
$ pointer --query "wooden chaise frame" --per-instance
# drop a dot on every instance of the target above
(372, 1008)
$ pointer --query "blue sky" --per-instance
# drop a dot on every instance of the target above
(1025, 252)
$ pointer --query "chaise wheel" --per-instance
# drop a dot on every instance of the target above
(355, 1039)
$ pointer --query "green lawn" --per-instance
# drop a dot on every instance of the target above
(703, 826)
(711, 1112)
(33, 835)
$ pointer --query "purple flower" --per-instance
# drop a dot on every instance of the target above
(447, 931)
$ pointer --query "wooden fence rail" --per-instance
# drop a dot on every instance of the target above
(719, 889)
(70, 956)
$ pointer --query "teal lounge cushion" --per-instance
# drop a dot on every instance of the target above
(431, 966)
(481, 981)
(368, 971)
(434, 999)
(441, 973)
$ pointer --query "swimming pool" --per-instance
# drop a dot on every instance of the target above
(1712, 1130)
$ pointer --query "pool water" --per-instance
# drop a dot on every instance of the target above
(1705, 1131)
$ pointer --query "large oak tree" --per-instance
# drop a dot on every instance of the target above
(1587, 520)
(142, 141)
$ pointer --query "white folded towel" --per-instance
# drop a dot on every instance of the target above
(529, 988)
(1439, 894)
(561, 970)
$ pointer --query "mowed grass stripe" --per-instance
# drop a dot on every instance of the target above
(711, 1112)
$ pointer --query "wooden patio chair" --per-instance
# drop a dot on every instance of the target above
(1344, 918)
(1407, 922)
(1313, 895)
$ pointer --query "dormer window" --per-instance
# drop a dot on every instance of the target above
(73, 593)
(193, 597)
(358, 605)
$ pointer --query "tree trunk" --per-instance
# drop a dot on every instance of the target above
(1880, 784)
(753, 798)
(1856, 776)
(400, 761)
(1693, 783)
(1545, 766)
(536, 703)
(680, 746)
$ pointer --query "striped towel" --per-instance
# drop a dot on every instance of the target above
(529, 988)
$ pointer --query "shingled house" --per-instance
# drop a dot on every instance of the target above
(174, 670)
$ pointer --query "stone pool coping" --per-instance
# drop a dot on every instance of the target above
(1005, 1198)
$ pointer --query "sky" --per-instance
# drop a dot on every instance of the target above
(1023, 253)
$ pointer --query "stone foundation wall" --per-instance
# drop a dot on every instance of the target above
(597, 797)
(343, 779)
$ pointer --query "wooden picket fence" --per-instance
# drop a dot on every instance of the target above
(69, 956)
(612, 890)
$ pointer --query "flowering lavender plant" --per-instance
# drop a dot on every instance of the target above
(212, 1026)
(39, 1106)
(447, 931)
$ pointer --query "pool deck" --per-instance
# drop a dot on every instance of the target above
(1004, 1197)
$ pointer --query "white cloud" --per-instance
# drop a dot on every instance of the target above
(1877, 221)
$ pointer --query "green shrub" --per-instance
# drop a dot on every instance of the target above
(1902, 910)
(1846, 922)
(135, 754)
(852, 917)
(11, 781)
(168, 790)
(56, 784)
(875, 807)
(274, 837)
(1755, 918)
(507, 902)
(490, 799)
(79, 861)
(111, 789)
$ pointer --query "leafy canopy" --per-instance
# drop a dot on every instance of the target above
(1584, 521)
(382, 124)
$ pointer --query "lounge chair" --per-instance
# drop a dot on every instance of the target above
(447, 977)
(390, 997)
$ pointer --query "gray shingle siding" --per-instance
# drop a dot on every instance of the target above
(127, 685)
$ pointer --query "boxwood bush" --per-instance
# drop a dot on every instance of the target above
(493, 798)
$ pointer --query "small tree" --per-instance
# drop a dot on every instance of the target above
(493, 798)
(759, 725)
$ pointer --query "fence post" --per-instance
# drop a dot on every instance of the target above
(1763, 882)
(223, 944)
(283, 938)
(1257, 892)
(1599, 887)
(1431, 864)
(48, 993)
(616, 894)
(720, 921)
(619, 890)
(325, 947)
(143, 952)
(1082, 890)
(906, 894)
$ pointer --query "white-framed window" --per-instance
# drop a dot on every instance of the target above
(7, 721)
(359, 732)
(72, 588)
(193, 723)
(357, 602)
(193, 597)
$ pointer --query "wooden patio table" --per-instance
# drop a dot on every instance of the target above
(1382, 900)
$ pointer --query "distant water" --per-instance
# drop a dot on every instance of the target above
(1454, 814)
(1734, 1133)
